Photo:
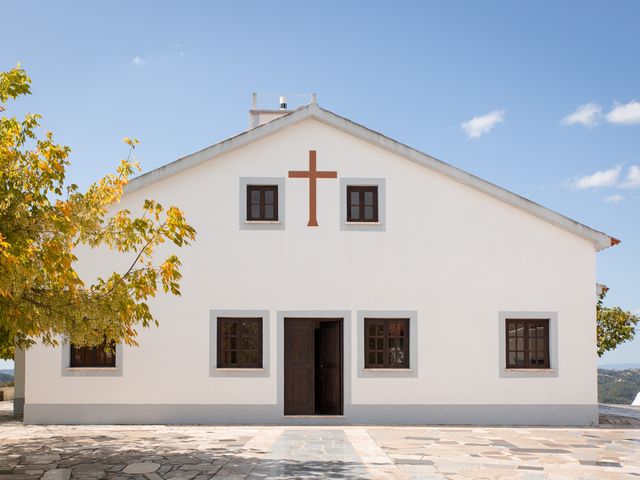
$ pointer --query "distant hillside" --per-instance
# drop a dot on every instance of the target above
(618, 386)
(620, 366)
(6, 376)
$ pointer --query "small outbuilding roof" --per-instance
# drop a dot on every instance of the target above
(313, 110)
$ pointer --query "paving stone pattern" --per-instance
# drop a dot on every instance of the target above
(261, 452)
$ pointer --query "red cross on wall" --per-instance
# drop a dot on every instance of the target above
(312, 174)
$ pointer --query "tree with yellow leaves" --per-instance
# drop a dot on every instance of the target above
(43, 219)
(614, 325)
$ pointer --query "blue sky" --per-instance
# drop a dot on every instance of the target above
(179, 76)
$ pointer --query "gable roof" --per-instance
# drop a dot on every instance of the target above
(313, 110)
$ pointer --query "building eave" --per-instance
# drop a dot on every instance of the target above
(599, 239)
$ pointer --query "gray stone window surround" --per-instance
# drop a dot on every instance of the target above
(68, 371)
(245, 224)
(381, 224)
(214, 371)
(554, 368)
(412, 371)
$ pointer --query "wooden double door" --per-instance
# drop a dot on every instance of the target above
(313, 366)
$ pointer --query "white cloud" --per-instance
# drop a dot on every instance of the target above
(179, 49)
(633, 178)
(139, 61)
(608, 178)
(625, 114)
(602, 178)
(614, 198)
(587, 115)
(482, 124)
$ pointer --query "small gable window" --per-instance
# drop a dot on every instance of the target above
(387, 342)
(262, 203)
(362, 203)
(93, 357)
(239, 343)
(527, 343)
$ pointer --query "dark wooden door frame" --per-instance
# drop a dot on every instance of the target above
(315, 322)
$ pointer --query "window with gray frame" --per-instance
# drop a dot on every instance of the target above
(239, 342)
(386, 342)
(527, 343)
(262, 203)
(100, 356)
(362, 203)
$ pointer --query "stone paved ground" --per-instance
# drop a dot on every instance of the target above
(203, 452)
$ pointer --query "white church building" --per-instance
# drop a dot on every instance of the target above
(341, 277)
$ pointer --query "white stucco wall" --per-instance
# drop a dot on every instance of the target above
(456, 256)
